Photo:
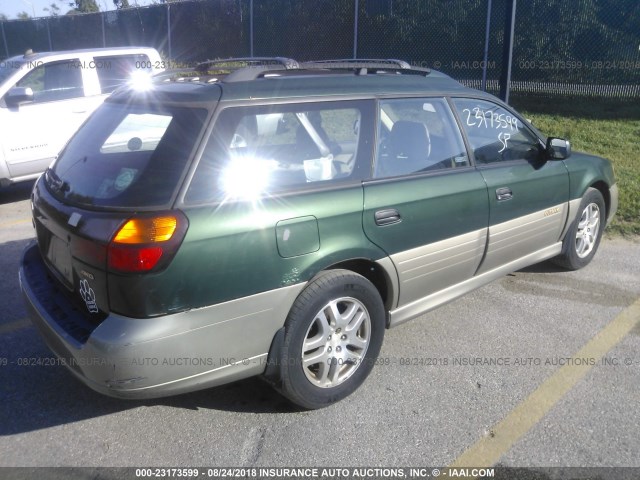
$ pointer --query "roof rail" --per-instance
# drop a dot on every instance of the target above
(242, 62)
(366, 65)
(357, 63)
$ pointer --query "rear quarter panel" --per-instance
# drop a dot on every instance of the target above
(232, 250)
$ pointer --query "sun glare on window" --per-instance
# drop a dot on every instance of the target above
(247, 177)
(141, 81)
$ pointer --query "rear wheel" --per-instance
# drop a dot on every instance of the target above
(333, 335)
(583, 238)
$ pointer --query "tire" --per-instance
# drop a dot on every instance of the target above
(337, 325)
(583, 237)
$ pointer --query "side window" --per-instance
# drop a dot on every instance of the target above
(116, 70)
(54, 81)
(262, 150)
(495, 134)
(417, 135)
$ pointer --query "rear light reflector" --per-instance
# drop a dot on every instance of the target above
(146, 242)
(146, 230)
(133, 259)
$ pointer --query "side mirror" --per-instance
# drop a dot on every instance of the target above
(558, 148)
(18, 95)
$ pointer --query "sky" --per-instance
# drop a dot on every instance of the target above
(11, 8)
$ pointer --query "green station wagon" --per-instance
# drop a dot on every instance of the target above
(273, 218)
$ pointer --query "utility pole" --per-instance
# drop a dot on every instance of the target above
(486, 48)
(33, 10)
(355, 30)
(507, 49)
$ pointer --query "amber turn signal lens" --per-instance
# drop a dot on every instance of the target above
(146, 230)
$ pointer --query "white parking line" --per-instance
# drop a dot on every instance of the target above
(15, 222)
(487, 451)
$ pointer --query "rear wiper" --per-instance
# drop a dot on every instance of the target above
(55, 182)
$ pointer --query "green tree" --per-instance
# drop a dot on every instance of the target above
(53, 9)
(23, 16)
(121, 4)
(82, 6)
(3, 17)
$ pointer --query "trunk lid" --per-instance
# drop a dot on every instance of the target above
(73, 244)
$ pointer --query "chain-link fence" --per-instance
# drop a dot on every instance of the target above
(561, 47)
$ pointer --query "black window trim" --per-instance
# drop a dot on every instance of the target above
(415, 175)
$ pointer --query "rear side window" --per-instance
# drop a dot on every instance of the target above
(262, 150)
(126, 156)
(416, 136)
(116, 70)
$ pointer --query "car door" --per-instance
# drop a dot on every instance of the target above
(426, 206)
(34, 133)
(528, 196)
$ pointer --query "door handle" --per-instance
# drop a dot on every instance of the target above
(504, 193)
(387, 216)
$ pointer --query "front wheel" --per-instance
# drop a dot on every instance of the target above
(583, 237)
(333, 335)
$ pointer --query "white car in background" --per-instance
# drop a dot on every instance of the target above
(45, 97)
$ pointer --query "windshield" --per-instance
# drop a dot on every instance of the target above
(126, 156)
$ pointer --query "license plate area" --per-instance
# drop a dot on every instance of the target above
(59, 256)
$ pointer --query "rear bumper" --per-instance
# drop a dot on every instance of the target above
(155, 357)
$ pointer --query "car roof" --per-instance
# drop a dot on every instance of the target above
(256, 83)
(309, 85)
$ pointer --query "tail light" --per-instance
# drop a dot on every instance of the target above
(146, 243)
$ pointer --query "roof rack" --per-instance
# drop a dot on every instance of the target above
(373, 65)
(242, 69)
(230, 69)
(243, 62)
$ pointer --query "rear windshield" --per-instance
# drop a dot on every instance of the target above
(126, 156)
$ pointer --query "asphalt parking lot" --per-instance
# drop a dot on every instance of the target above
(539, 369)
